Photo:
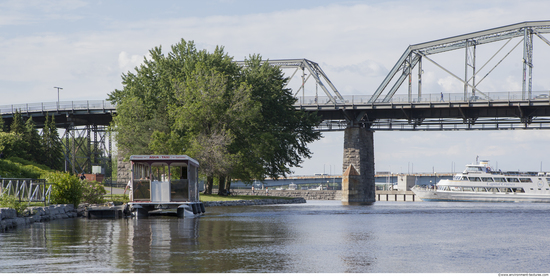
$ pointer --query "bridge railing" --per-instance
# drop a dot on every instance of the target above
(301, 101)
(427, 98)
(57, 106)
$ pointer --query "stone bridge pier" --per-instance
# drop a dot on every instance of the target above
(358, 186)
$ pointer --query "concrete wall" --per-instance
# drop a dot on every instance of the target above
(306, 194)
(254, 202)
(381, 195)
(405, 182)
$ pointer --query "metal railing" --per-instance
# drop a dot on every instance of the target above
(26, 190)
(58, 106)
(305, 101)
(426, 98)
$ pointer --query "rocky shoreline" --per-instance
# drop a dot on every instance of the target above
(9, 218)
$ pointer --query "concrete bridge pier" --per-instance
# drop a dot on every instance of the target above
(358, 185)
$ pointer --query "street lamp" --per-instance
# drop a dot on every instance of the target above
(58, 88)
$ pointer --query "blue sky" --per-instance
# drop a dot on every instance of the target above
(85, 46)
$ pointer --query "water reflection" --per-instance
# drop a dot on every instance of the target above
(314, 237)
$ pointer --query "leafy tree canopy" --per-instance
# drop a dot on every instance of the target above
(237, 121)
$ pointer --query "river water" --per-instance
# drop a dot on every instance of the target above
(317, 237)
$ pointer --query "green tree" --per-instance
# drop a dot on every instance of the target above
(209, 111)
(238, 122)
(13, 145)
(278, 139)
(51, 145)
(3, 126)
(17, 126)
(33, 141)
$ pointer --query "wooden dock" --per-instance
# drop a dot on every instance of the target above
(389, 195)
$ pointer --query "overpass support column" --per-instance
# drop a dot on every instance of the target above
(359, 152)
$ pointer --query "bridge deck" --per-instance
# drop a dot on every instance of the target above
(490, 111)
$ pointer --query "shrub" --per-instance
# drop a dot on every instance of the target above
(10, 201)
(66, 188)
(92, 192)
(124, 198)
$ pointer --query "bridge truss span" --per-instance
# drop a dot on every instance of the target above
(313, 69)
(473, 74)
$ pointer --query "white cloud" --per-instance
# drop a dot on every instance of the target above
(128, 62)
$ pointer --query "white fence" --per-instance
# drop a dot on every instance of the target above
(26, 190)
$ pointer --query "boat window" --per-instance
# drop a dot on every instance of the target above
(474, 169)
(464, 178)
(548, 179)
(456, 188)
(486, 179)
(518, 190)
(179, 183)
(492, 189)
(444, 188)
(475, 179)
(505, 190)
(525, 180)
(468, 189)
(513, 180)
(500, 179)
(480, 189)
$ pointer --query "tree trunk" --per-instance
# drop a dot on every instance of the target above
(208, 185)
(228, 185)
(221, 185)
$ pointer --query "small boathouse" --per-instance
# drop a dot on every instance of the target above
(164, 183)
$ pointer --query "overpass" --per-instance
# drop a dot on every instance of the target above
(360, 115)
(86, 138)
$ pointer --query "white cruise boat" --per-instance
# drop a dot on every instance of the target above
(479, 183)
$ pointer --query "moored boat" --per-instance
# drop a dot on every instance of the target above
(478, 182)
(164, 184)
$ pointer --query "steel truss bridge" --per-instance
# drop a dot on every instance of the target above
(87, 139)
(471, 109)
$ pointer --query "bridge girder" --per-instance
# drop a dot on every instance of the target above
(414, 54)
(313, 69)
